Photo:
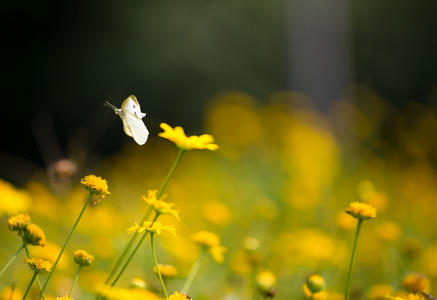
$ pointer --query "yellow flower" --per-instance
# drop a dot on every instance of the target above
(315, 283)
(13, 201)
(138, 283)
(210, 242)
(152, 227)
(11, 293)
(416, 283)
(379, 291)
(95, 185)
(167, 271)
(409, 297)
(39, 265)
(361, 211)
(34, 235)
(388, 232)
(64, 298)
(18, 222)
(115, 293)
(177, 136)
(83, 258)
(179, 296)
(322, 295)
(159, 206)
(266, 281)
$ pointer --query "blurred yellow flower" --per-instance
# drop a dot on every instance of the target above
(39, 265)
(34, 235)
(18, 222)
(12, 200)
(64, 298)
(179, 296)
(138, 283)
(83, 258)
(159, 206)
(315, 283)
(265, 282)
(177, 136)
(167, 271)
(216, 212)
(9, 293)
(115, 293)
(95, 185)
(322, 295)
(388, 232)
(152, 227)
(416, 283)
(379, 291)
(210, 242)
(361, 211)
(408, 297)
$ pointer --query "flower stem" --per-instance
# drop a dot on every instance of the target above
(170, 173)
(28, 256)
(164, 291)
(133, 253)
(30, 284)
(193, 272)
(11, 260)
(348, 286)
(66, 242)
(75, 279)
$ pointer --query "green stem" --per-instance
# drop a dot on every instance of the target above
(75, 279)
(170, 173)
(66, 242)
(348, 286)
(164, 291)
(30, 284)
(133, 253)
(11, 260)
(28, 256)
(193, 272)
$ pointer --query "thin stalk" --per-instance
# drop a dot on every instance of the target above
(66, 242)
(133, 253)
(11, 260)
(170, 173)
(28, 256)
(164, 291)
(30, 284)
(348, 286)
(75, 280)
(193, 272)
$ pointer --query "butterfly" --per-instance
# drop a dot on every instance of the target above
(131, 115)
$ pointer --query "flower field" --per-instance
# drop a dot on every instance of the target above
(274, 200)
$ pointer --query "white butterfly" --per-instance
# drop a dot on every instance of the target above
(131, 115)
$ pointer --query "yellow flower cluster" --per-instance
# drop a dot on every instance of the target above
(39, 265)
(210, 242)
(361, 211)
(18, 222)
(177, 136)
(179, 296)
(34, 235)
(152, 227)
(159, 206)
(83, 258)
(64, 298)
(95, 185)
(416, 283)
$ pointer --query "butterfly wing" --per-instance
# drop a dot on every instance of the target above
(134, 127)
(131, 105)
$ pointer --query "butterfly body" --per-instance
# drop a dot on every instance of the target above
(131, 115)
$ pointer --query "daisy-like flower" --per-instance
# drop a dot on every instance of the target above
(167, 271)
(159, 206)
(416, 283)
(179, 296)
(39, 265)
(362, 211)
(83, 258)
(34, 235)
(18, 222)
(95, 185)
(152, 227)
(210, 242)
(177, 136)
(64, 298)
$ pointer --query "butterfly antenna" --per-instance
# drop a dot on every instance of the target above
(109, 105)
